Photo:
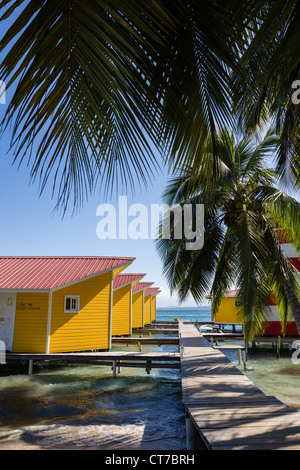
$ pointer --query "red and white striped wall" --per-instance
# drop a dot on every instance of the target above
(273, 325)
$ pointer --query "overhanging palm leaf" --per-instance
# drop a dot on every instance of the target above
(82, 70)
(271, 62)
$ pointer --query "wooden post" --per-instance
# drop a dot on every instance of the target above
(139, 346)
(239, 356)
(114, 369)
(30, 367)
(245, 359)
(191, 434)
(278, 346)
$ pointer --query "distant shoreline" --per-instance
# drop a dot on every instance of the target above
(190, 309)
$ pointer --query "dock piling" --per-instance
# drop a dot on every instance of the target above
(239, 356)
(278, 347)
(245, 359)
(191, 434)
(30, 366)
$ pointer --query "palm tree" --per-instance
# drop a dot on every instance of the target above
(242, 206)
(99, 83)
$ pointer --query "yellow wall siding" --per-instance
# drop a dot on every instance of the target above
(89, 328)
(118, 271)
(147, 310)
(31, 323)
(121, 311)
(137, 310)
(153, 308)
(227, 312)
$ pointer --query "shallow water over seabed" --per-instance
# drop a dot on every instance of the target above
(84, 407)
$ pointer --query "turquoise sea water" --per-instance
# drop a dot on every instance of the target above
(84, 407)
(184, 314)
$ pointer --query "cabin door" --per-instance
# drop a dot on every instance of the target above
(7, 319)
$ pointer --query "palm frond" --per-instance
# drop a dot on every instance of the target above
(83, 99)
(284, 209)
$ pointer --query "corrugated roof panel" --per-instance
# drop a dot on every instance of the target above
(140, 286)
(151, 290)
(157, 292)
(124, 279)
(46, 272)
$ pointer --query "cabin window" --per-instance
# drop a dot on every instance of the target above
(71, 303)
(237, 303)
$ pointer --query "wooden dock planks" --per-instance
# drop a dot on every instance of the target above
(227, 409)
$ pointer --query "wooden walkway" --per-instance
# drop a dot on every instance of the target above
(224, 407)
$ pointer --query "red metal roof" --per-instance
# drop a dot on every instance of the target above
(140, 286)
(296, 263)
(151, 291)
(46, 272)
(157, 292)
(231, 293)
(124, 279)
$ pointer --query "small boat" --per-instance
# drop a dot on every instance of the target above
(208, 329)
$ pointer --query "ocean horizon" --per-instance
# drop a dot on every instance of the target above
(190, 313)
(202, 307)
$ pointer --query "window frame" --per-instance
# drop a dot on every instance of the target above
(71, 297)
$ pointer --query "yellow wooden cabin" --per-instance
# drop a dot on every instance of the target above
(122, 303)
(230, 312)
(138, 303)
(153, 305)
(147, 309)
(229, 309)
(57, 304)
(148, 296)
